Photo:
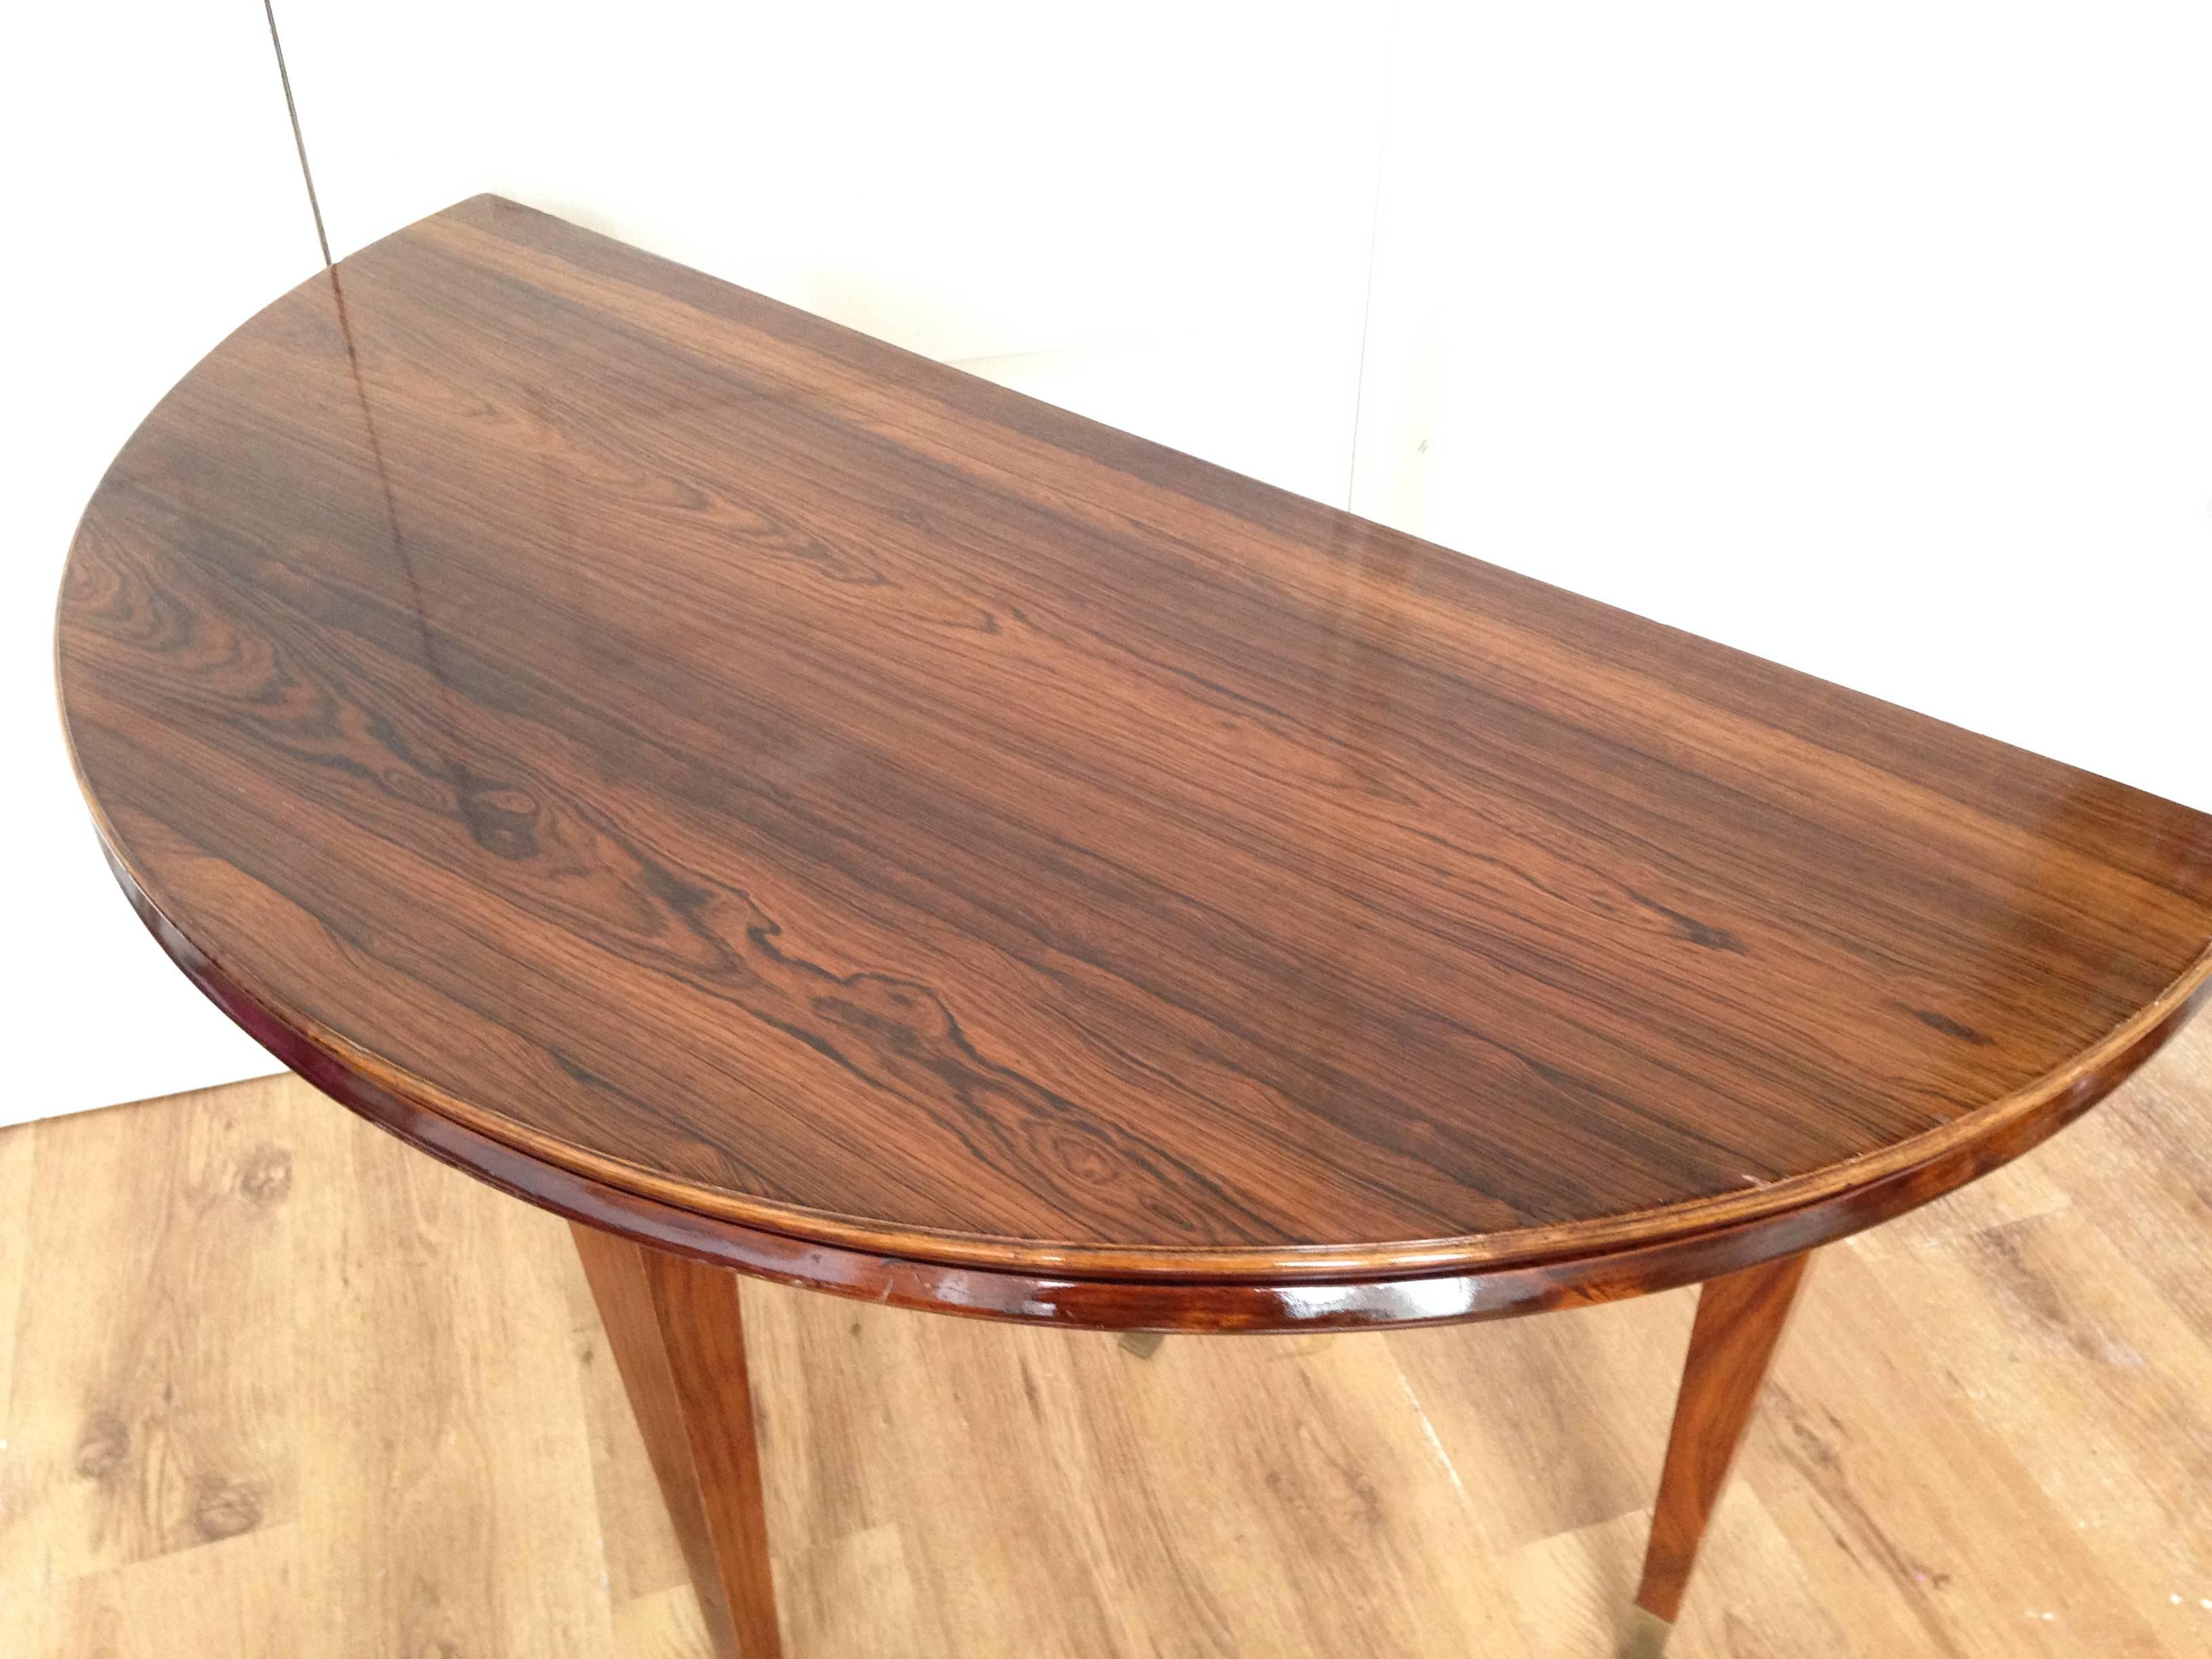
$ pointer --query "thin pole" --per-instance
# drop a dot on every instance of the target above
(314, 206)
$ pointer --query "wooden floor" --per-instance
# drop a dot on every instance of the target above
(276, 1385)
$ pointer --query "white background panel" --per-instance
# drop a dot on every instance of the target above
(1877, 341)
(153, 203)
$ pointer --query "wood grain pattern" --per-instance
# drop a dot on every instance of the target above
(149, 1439)
(1146, 1305)
(680, 754)
(1986, 1437)
(1740, 1319)
(676, 1328)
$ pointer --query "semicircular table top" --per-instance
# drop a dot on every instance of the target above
(706, 769)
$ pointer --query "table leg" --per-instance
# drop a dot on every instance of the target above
(678, 1340)
(1740, 1319)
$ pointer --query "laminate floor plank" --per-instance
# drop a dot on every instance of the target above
(1592, 1391)
(152, 1406)
(16, 1150)
(236, 1597)
(1922, 1511)
(2045, 1318)
(448, 1404)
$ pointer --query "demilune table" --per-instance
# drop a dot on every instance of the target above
(791, 807)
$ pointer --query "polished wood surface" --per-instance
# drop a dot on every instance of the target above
(1740, 1319)
(1987, 1435)
(677, 1329)
(670, 754)
(1144, 1305)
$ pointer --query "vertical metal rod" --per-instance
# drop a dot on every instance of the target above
(314, 206)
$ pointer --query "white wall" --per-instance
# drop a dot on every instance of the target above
(1873, 339)
(152, 202)
(1157, 214)
(1878, 341)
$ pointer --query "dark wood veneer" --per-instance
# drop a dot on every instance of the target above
(754, 790)
(1741, 1318)
(677, 1333)
(1192, 1305)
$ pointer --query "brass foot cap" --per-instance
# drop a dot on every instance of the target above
(1143, 1344)
(1646, 1636)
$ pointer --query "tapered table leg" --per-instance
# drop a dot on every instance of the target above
(678, 1338)
(1740, 1319)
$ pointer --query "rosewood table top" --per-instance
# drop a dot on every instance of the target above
(758, 790)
